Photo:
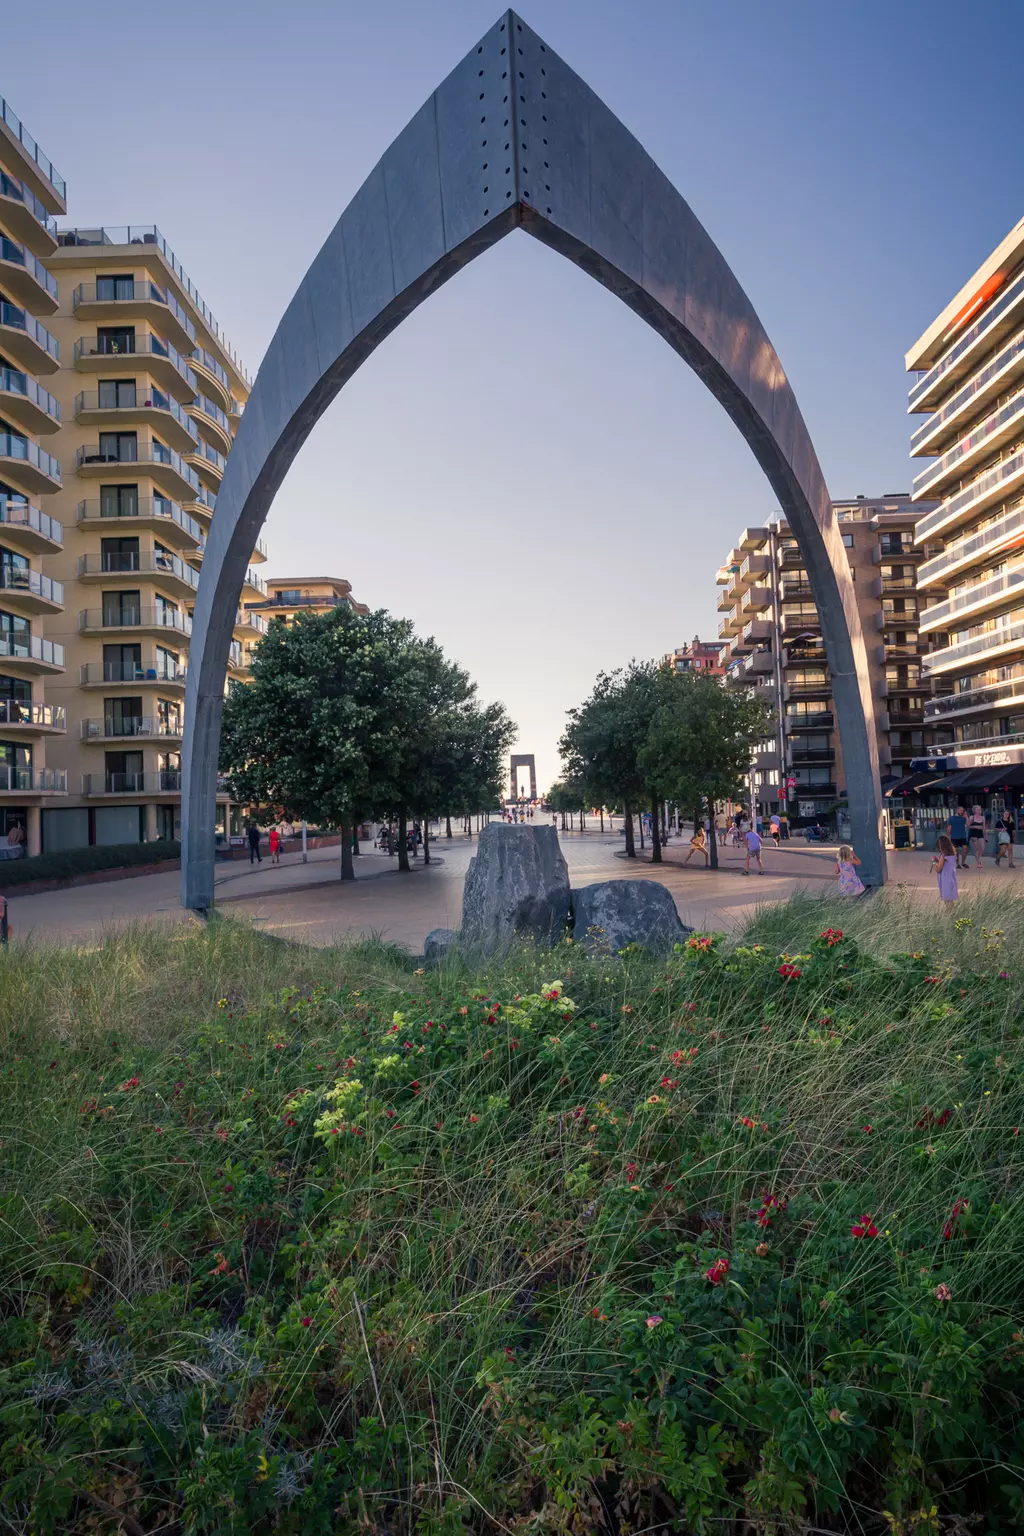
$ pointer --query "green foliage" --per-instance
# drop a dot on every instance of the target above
(700, 739)
(80, 861)
(568, 1246)
(602, 741)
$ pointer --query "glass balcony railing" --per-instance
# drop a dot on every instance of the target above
(1005, 416)
(47, 717)
(12, 446)
(10, 186)
(21, 320)
(256, 582)
(33, 781)
(132, 291)
(996, 311)
(10, 250)
(135, 618)
(137, 346)
(17, 513)
(976, 495)
(144, 399)
(165, 782)
(141, 506)
(247, 620)
(963, 397)
(204, 451)
(148, 234)
(210, 408)
(212, 365)
(14, 382)
(145, 562)
(1002, 528)
(978, 592)
(130, 725)
(104, 672)
(17, 578)
(15, 646)
(975, 698)
(32, 149)
(998, 638)
(145, 453)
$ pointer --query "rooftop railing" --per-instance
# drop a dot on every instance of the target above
(33, 150)
(10, 186)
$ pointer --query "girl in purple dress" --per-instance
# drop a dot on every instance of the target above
(850, 883)
(944, 864)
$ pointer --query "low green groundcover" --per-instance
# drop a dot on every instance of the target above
(733, 1242)
(81, 861)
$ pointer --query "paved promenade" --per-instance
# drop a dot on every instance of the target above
(308, 903)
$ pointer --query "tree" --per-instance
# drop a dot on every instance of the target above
(601, 744)
(700, 741)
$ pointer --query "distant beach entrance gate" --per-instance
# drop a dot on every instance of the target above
(514, 139)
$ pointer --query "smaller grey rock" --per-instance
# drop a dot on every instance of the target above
(437, 944)
(614, 913)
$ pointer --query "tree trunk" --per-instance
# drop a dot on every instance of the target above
(403, 841)
(355, 838)
(655, 831)
(601, 812)
(448, 826)
(347, 871)
(426, 839)
(627, 822)
(712, 837)
(640, 819)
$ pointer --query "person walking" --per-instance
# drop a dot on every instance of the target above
(753, 841)
(255, 857)
(275, 845)
(945, 864)
(1004, 842)
(1010, 823)
(850, 883)
(976, 831)
(956, 831)
(698, 844)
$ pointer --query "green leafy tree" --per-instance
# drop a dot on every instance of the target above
(601, 744)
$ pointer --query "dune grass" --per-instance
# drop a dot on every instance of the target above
(319, 1240)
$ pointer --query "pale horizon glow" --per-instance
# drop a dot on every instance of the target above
(524, 469)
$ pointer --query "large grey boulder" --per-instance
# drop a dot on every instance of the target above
(437, 944)
(517, 887)
(614, 913)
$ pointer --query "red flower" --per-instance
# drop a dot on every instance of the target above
(958, 1209)
(866, 1129)
(790, 972)
(865, 1227)
(718, 1271)
(307, 1322)
(132, 1082)
(832, 936)
(510, 1354)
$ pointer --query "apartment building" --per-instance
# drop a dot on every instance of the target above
(699, 656)
(969, 388)
(32, 193)
(288, 595)
(150, 393)
(775, 646)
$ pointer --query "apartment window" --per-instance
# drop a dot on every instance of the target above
(290, 595)
(111, 289)
(112, 340)
(169, 771)
(166, 611)
(163, 558)
(15, 690)
(123, 772)
(122, 608)
(119, 501)
(168, 663)
(168, 715)
(15, 765)
(17, 629)
(848, 540)
(14, 570)
(122, 717)
(116, 394)
(119, 554)
(122, 663)
(808, 777)
(119, 447)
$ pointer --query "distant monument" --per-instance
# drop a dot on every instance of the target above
(524, 760)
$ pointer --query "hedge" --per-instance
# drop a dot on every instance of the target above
(81, 861)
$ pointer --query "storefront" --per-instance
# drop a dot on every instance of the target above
(918, 807)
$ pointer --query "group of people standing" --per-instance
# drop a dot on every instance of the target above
(968, 833)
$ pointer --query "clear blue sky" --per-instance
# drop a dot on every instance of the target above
(854, 162)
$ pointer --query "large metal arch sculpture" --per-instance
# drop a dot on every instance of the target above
(513, 138)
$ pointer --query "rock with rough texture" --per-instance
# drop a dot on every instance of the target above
(614, 913)
(517, 887)
(437, 944)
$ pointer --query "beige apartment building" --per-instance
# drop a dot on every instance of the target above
(775, 646)
(288, 595)
(150, 394)
(32, 718)
(969, 387)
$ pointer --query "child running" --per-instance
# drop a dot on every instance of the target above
(846, 868)
(945, 866)
(698, 844)
(753, 841)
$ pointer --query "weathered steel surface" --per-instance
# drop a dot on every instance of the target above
(513, 138)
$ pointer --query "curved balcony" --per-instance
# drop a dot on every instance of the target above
(97, 354)
(151, 407)
(27, 404)
(235, 410)
(987, 437)
(117, 674)
(31, 652)
(26, 342)
(212, 423)
(32, 781)
(25, 525)
(209, 463)
(166, 782)
(25, 278)
(130, 728)
(168, 569)
(213, 375)
(47, 171)
(136, 298)
(985, 491)
(25, 216)
(26, 719)
(249, 625)
(259, 554)
(104, 621)
(254, 583)
(29, 592)
(30, 467)
(154, 458)
(156, 512)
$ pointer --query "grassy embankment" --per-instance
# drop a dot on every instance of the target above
(310, 1241)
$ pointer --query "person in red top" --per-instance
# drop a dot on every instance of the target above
(275, 846)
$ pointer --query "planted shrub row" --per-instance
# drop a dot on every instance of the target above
(81, 861)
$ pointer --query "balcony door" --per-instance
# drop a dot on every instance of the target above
(111, 340)
(116, 394)
(116, 287)
(119, 447)
(119, 501)
(119, 554)
(122, 608)
(122, 717)
(123, 772)
(122, 663)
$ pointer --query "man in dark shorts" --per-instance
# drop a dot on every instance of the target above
(956, 829)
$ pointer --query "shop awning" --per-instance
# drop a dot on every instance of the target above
(912, 782)
(1005, 776)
